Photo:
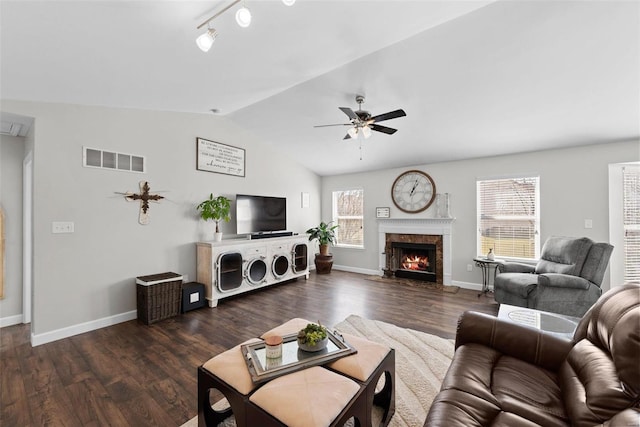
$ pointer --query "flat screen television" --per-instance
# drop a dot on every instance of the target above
(260, 214)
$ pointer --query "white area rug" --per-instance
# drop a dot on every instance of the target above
(421, 363)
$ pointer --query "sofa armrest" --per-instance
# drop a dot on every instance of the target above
(519, 341)
(557, 280)
(516, 267)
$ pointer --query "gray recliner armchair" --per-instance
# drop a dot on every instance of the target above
(565, 280)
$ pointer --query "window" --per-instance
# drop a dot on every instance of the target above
(348, 208)
(631, 215)
(509, 217)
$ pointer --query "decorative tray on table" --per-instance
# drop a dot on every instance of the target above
(293, 359)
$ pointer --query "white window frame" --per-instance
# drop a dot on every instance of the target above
(535, 217)
(631, 225)
(335, 217)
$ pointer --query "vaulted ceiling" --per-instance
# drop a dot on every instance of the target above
(476, 78)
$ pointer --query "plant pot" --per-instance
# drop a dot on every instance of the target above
(320, 345)
(324, 263)
(324, 249)
(217, 237)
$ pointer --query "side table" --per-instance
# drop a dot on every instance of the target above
(487, 265)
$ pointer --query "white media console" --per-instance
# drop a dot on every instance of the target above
(231, 267)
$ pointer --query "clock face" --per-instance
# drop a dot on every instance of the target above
(413, 191)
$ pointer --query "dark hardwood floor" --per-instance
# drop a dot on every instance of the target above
(131, 374)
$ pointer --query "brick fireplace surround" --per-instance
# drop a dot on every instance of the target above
(423, 230)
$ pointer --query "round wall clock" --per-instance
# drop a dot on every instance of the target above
(413, 191)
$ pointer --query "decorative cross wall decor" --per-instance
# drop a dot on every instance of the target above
(144, 198)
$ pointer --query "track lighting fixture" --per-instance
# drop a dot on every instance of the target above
(243, 18)
(205, 41)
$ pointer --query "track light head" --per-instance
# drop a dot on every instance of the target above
(205, 41)
(243, 17)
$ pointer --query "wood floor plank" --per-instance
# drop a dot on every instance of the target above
(133, 374)
(93, 404)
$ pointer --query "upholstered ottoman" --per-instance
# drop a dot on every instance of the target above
(313, 397)
(227, 373)
(289, 327)
(367, 367)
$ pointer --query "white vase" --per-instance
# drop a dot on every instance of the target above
(447, 206)
(217, 237)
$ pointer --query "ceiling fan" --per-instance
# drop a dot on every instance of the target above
(362, 123)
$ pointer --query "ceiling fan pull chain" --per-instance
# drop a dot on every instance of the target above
(360, 148)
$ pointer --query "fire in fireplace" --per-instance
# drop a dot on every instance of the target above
(414, 260)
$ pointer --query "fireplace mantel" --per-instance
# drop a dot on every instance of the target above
(432, 226)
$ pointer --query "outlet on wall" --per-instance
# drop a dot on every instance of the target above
(58, 227)
(469, 267)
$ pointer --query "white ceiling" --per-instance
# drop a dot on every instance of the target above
(476, 78)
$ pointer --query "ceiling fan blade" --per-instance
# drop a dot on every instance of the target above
(383, 129)
(347, 136)
(349, 112)
(337, 124)
(387, 116)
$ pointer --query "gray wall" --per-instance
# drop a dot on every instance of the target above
(573, 187)
(88, 277)
(11, 157)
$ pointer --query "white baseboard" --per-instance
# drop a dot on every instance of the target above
(10, 320)
(357, 270)
(468, 285)
(58, 334)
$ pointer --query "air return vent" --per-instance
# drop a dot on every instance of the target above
(103, 159)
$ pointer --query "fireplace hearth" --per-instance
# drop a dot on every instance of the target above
(414, 256)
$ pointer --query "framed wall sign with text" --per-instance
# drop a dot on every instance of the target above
(382, 213)
(220, 158)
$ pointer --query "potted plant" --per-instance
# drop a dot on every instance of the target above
(325, 235)
(312, 337)
(216, 209)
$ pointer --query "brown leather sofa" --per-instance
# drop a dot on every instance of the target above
(505, 374)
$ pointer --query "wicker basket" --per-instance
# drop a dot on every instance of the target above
(158, 296)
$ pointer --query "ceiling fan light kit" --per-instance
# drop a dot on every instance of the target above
(243, 18)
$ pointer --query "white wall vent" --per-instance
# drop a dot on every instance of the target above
(103, 159)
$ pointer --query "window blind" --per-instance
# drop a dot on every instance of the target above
(631, 218)
(508, 217)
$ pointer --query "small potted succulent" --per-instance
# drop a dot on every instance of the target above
(312, 337)
(216, 209)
